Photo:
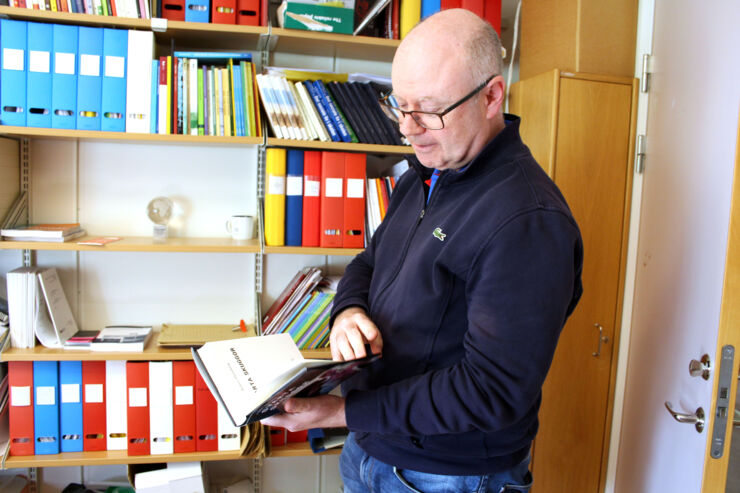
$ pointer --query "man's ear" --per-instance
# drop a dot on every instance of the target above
(495, 92)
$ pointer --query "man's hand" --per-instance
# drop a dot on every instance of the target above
(352, 329)
(325, 411)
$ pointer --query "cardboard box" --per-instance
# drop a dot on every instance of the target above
(316, 17)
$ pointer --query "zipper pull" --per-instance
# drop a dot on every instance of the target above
(421, 216)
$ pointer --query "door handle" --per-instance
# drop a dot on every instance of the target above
(697, 419)
(602, 340)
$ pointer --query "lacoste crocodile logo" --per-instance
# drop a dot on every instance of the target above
(437, 233)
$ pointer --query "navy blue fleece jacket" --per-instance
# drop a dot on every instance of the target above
(470, 292)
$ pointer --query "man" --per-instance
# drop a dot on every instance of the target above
(464, 287)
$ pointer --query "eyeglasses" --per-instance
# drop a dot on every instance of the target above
(431, 120)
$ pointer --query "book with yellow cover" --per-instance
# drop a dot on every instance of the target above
(275, 197)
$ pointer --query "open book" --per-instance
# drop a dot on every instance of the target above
(252, 377)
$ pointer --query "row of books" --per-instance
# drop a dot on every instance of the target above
(243, 12)
(118, 8)
(89, 78)
(379, 18)
(206, 93)
(329, 111)
(379, 192)
(315, 198)
(302, 309)
(144, 407)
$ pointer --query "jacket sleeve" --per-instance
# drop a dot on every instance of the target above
(521, 286)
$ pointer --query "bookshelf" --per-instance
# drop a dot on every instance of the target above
(142, 244)
(168, 37)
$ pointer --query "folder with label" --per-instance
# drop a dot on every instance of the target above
(38, 77)
(46, 407)
(332, 199)
(137, 419)
(93, 406)
(228, 434)
(173, 10)
(311, 198)
(13, 37)
(115, 405)
(197, 10)
(206, 417)
(275, 197)
(224, 12)
(139, 81)
(20, 382)
(64, 76)
(248, 12)
(160, 407)
(183, 410)
(354, 201)
(70, 406)
(89, 77)
(113, 92)
(294, 197)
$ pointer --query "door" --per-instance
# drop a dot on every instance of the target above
(686, 294)
(592, 169)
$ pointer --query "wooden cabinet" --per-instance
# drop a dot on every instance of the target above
(580, 129)
(596, 36)
(73, 162)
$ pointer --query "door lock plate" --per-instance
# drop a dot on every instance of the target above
(723, 411)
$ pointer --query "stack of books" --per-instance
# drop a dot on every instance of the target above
(325, 109)
(50, 232)
(302, 309)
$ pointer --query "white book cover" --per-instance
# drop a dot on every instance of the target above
(311, 132)
(271, 108)
(161, 429)
(63, 322)
(115, 405)
(313, 112)
(252, 377)
(139, 81)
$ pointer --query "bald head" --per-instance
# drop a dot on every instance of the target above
(454, 35)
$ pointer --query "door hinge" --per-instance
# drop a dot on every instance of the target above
(647, 69)
(640, 154)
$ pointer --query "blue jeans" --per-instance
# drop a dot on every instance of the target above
(362, 473)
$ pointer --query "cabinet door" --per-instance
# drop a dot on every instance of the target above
(592, 169)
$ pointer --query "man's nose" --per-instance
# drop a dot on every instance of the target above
(409, 126)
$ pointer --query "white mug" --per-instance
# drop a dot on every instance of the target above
(241, 227)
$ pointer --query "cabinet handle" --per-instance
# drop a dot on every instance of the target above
(602, 340)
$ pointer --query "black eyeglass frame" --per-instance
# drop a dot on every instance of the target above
(389, 109)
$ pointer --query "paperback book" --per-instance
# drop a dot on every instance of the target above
(130, 338)
(251, 378)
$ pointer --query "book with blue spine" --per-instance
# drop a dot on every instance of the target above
(294, 198)
(333, 113)
(323, 112)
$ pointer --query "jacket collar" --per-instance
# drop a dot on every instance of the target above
(487, 159)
